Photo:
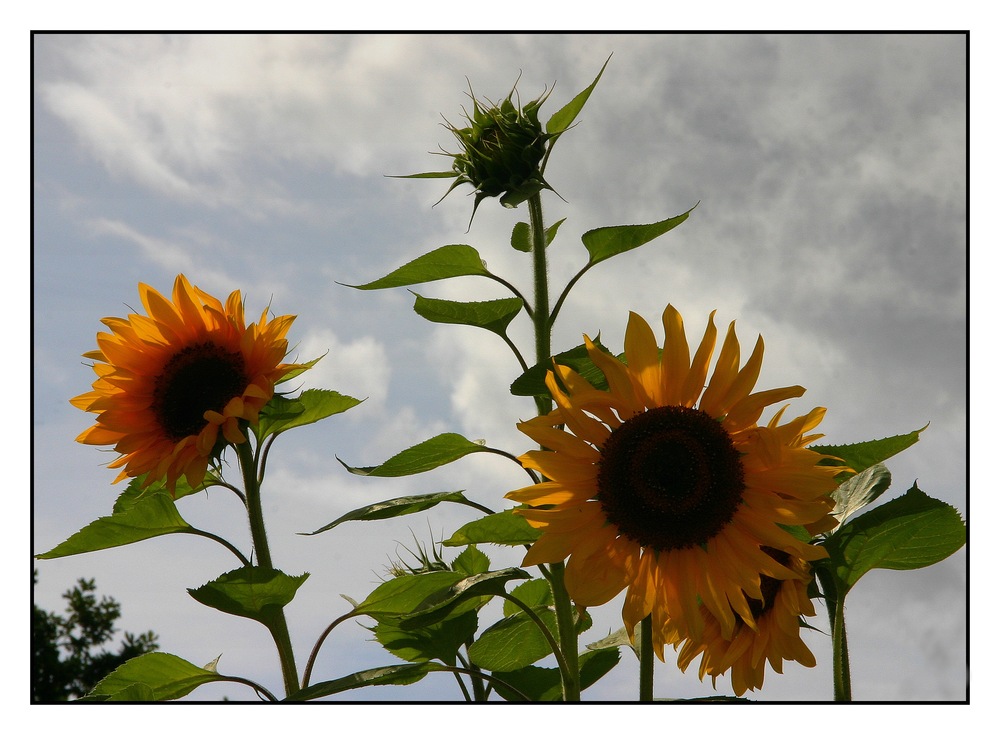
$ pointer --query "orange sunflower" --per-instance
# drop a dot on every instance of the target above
(775, 638)
(178, 385)
(670, 489)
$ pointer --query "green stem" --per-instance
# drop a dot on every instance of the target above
(841, 661)
(565, 620)
(646, 659)
(255, 513)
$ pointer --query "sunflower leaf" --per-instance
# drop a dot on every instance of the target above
(532, 382)
(520, 237)
(147, 517)
(448, 261)
(441, 641)
(859, 490)
(399, 596)
(909, 532)
(503, 529)
(514, 642)
(561, 120)
(491, 315)
(250, 592)
(393, 508)
(606, 242)
(281, 413)
(468, 590)
(545, 685)
(155, 677)
(861, 456)
(428, 455)
(396, 675)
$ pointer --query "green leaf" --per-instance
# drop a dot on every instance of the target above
(400, 596)
(281, 414)
(428, 175)
(396, 675)
(561, 121)
(146, 517)
(550, 232)
(441, 641)
(393, 508)
(299, 369)
(545, 685)
(532, 382)
(250, 592)
(471, 562)
(533, 593)
(448, 261)
(135, 492)
(606, 242)
(863, 455)
(504, 529)
(514, 642)
(520, 237)
(154, 677)
(859, 490)
(438, 605)
(491, 315)
(909, 532)
(434, 452)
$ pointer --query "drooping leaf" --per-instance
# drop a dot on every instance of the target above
(400, 596)
(545, 684)
(514, 642)
(561, 121)
(532, 382)
(437, 606)
(504, 529)
(151, 677)
(909, 532)
(147, 517)
(606, 242)
(250, 592)
(440, 641)
(393, 508)
(863, 455)
(434, 452)
(281, 413)
(491, 315)
(397, 675)
(448, 261)
(859, 490)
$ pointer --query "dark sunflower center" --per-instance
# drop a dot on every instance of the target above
(201, 377)
(769, 586)
(670, 478)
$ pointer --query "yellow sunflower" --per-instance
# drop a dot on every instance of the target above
(176, 386)
(775, 638)
(670, 489)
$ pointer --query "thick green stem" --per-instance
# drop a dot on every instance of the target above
(646, 659)
(255, 513)
(841, 661)
(565, 619)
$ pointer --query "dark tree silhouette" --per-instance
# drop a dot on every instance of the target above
(67, 652)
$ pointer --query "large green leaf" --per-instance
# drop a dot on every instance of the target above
(491, 315)
(909, 532)
(861, 456)
(448, 261)
(434, 452)
(152, 677)
(250, 592)
(514, 642)
(394, 507)
(606, 242)
(441, 640)
(145, 517)
(440, 604)
(545, 685)
(399, 674)
(533, 593)
(400, 596)
(504, 528)
(281, 414)
(561, 121)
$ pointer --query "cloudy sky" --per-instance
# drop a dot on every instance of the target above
(830, 172)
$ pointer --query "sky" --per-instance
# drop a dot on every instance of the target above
(830, 177)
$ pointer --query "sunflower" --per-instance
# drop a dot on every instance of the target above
(774, 639)
(670, 489)
(176, 386)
